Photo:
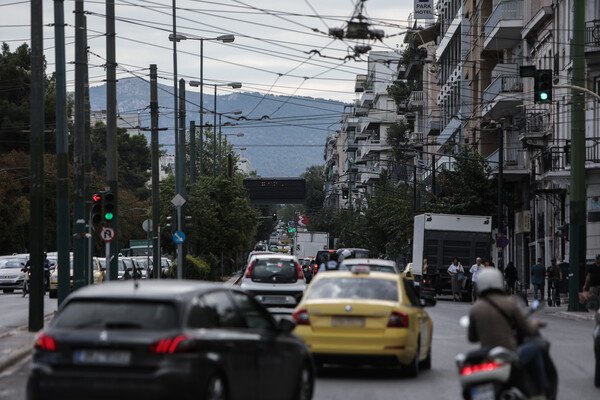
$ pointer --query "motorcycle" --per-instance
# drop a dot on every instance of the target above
(497, 373)
(26, 280)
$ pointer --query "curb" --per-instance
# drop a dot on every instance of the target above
(23, 351)
(579, 316)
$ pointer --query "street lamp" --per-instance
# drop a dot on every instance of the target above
(225, 39)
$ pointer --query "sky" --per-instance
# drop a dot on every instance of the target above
(272, 52)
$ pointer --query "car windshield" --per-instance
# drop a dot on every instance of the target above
(274, 271)
(121, 314)
(354, 288)
(376, 267)
(13, 263)
(362, 254)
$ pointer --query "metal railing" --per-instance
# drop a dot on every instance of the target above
(502, 84)
(506, 10)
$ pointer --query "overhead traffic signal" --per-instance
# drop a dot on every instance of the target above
(274, 216)
(542, 86)
(97, 208)
(345, 194)
(109, 206)
(563, 232)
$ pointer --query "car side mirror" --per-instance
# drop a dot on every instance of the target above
(427, 302)
(286, 325)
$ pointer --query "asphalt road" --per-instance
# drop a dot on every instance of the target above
(15, 309)
(572, 351)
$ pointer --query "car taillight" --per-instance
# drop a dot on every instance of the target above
(398, 320)
(249, 270)
(299, 269)
(473, 369)
(45, 342)
(301, 317)
(177, 344)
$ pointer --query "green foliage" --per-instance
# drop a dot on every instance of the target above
(196, 268)
(467, 188)
(396, 137)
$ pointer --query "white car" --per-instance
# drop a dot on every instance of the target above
(276, 280)
(11, 273)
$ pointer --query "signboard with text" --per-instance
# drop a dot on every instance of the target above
(424, 9)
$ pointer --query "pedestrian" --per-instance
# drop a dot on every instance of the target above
(591, 287)
(511, 276)
(538, 274)
(332, 264)
(457, 272)
(475, 268)
(554, 278)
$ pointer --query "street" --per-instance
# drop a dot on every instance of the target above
(15, 309)
(571, 350)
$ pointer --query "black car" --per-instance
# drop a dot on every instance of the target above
(168, 340)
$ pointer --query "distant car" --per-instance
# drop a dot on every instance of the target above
(98, 272)
(168, 340)
(373, 264)
(365, 318)
(322, 257)
(275, 280)
(11, 274)
(354, 253)
(408, 272)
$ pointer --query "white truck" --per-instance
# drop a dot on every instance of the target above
(438, 238)
(308, 243)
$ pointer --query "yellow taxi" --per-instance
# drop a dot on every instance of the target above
(363, 317)
(408, 272)
(98, 276)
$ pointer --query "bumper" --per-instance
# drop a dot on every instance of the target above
(393, 345)
(276, 297)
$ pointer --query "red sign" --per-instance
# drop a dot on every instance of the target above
(502, 241)
(302, 220)
(107, 234)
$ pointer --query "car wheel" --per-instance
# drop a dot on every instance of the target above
(426, 363)
(413, 368)
(306, 383)
(8, 290)
(216, 388)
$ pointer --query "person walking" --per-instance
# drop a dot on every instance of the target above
(554, 278)
(457, 272)
(538, 274)
(511, 276)
(475, 268)
(591, 287)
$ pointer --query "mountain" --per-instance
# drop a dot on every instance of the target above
(289, 138)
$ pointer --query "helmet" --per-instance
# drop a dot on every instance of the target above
(489, 279)
(345, 254)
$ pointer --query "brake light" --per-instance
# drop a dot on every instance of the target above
(301, 317)
(398, 320)
(249, 270)
(299, 269)
(170, 345)
(45, 342)
(473, 369)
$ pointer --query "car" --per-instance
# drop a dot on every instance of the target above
(11, 273)
(373, 264)
(360, 317)
(322, 257)
(408, 272)
(276, 280)
(354, 253)
(168, 340)
(99, 276)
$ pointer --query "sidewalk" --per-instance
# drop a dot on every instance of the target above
(17, 344)
(562, 311)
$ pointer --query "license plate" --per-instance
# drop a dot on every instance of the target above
(273, 299)
(483, 392)
(348, 321)
(103, 357)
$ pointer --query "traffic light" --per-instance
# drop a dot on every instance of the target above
(187, 224)
(345, 194)
(109, 206)
(274, 216)
(97, 208)
(563, 232)
(542, 86)
(291, 230)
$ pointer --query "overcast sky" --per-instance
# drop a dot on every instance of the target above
(271, 52)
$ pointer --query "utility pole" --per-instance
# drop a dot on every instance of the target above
(79, 216)
(181, 142)
(175, 107)
(156, 261)
(201, 104)
(36, 143)
(111, 137)
(63, 231)
(577, 234)
(87, 173)
(500, 189)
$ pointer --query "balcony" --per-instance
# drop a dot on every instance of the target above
(350, 165)
(365, 134)
(504, 94)
(361, 83)
(366, 100)
(360, 160)
(373, 146)
(350, 143)
(558, 158)
(416, 139)
(433, 123)
(416, 100)
(503, 27)
(534, 125)
(592, 43)
(349, 122)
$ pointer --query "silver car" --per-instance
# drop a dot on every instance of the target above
(11, 273)
(276, 280)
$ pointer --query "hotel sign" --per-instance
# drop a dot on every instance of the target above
(423, 9)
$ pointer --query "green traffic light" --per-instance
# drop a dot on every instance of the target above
(544, 96)
(108, 216)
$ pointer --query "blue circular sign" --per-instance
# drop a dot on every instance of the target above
(502, 241)
(178, 237)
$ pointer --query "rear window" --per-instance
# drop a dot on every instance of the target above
(354, 288)
(375, 267)
(362, 254)
(274, 271)
(122, 314)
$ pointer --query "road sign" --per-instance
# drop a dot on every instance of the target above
(178, 200)
(147, 225)
(502, 241)
(107, 234)
(302, 220)
(178, 237)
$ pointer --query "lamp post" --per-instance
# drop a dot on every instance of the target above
(234, 85)
(225, 39)
(239, 134)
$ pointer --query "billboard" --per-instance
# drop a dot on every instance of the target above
(276, 190)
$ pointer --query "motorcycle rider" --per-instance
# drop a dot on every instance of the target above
(495, 317)
(332, 264)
